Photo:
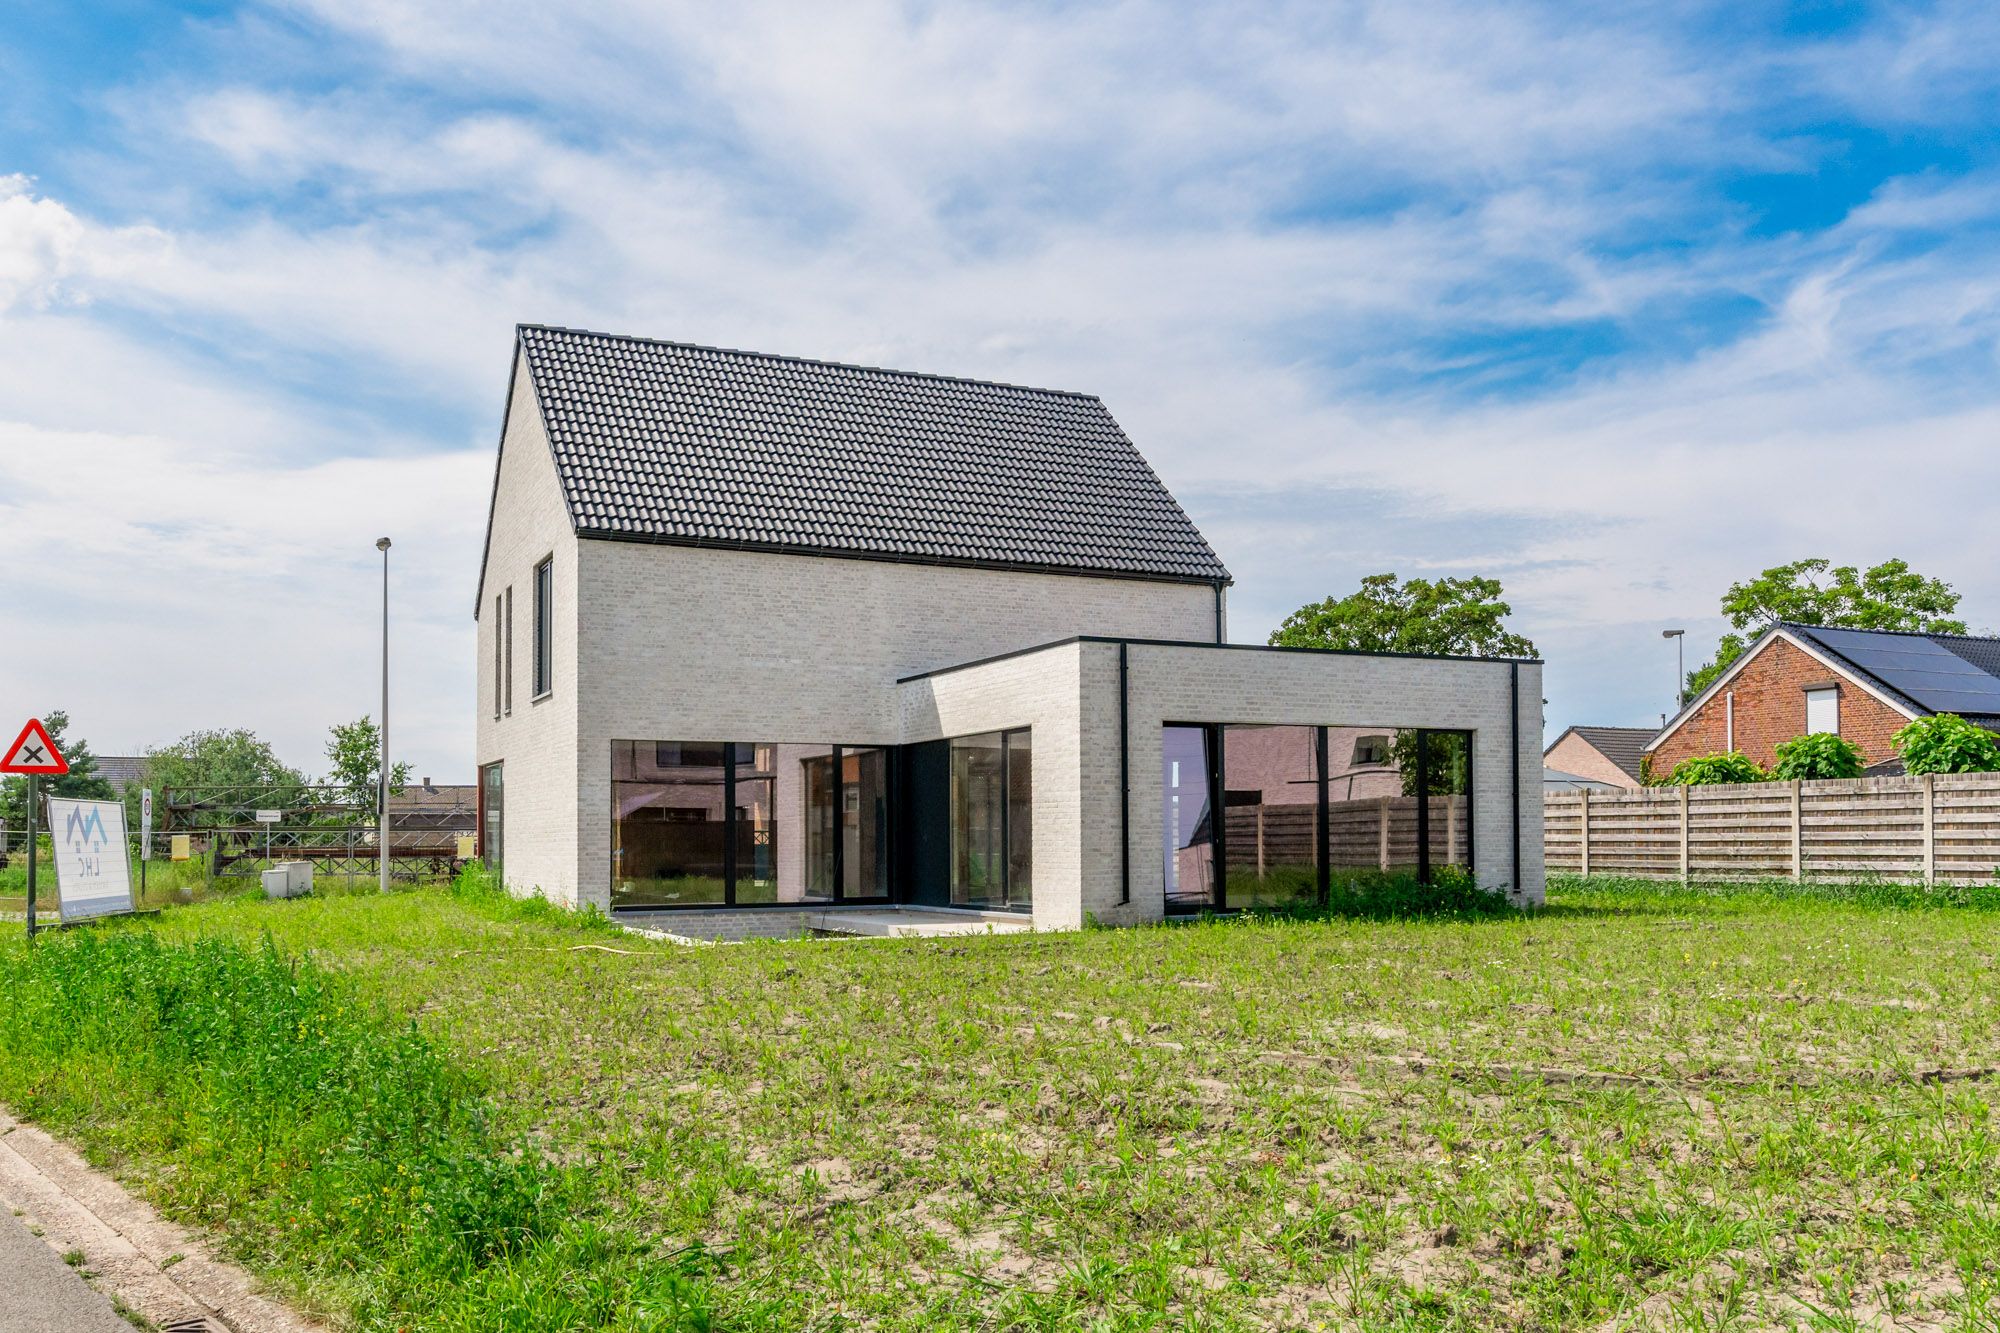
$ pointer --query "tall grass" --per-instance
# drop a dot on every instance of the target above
(337, 1147)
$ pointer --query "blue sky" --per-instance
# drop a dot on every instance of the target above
(1616, 307)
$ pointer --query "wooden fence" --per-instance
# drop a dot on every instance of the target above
(1938, 827)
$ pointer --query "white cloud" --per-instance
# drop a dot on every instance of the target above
(1273, 244)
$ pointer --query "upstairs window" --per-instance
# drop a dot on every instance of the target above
(499, 676)
(1823, 710)
(545, 624)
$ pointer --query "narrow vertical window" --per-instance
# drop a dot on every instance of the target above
(507, 672)
(498, 674)
(544, 627)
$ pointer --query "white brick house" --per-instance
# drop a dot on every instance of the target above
(762, 639)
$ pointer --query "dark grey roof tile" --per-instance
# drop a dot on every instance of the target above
(670, 442)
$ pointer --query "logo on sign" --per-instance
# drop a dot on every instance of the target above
(87, 824)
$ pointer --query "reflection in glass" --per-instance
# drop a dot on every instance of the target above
(1187, 837)
(669, 824)
(1020, 819)
(490, 809)
(1446, 789)
(817, 788)
(864, 861)
(756, 824)
(1271, 816)
(992, 829)
(978, 809)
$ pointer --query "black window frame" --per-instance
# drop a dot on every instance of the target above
(492, 810)
(499, 671)
(735, 754)
(507, 671)
(545, 625)
(1215, 733)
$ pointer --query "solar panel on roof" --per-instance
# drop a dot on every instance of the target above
(1930, 675)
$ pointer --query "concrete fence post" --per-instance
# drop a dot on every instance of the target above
(1930, 829)
(1583, 831)
(1799, 831)
(1685, 876)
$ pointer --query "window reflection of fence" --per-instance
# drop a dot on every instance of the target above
(1378, 833)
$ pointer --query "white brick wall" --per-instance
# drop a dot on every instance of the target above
(692, 643)
(1069, 695)
(537, 740)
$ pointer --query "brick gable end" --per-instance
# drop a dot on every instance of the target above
(1771, 709)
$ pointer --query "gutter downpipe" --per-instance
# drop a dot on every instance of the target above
(1124, 776)
(1514, 764)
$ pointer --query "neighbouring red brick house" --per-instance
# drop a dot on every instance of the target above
(1863, 685)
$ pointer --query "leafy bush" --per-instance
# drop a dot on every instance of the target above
(1947, 743)
(1820, 755)
(1702, 770)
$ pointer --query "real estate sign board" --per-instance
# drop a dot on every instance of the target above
(93, 873)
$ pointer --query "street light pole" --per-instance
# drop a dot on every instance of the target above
(1679, 636)
(382, 778)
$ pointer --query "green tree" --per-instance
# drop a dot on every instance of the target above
(355, 751)
(1455, 616)
(1703, 770)
(1815, 592)
(82, 782)
(228, 758)
(1816, 757)
(1947, 743)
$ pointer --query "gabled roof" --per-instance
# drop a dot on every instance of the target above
(1914, 673)
(667, 442)
(1623, 746)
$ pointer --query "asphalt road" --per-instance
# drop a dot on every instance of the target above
(41, 1294)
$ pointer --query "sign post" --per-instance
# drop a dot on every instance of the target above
(33, 753)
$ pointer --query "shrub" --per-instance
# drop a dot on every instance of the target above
(1947, 743)
(1820, 755)
(1702, 770)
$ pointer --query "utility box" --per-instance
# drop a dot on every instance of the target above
(288, 879)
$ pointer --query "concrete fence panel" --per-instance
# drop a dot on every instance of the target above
(1937, 827)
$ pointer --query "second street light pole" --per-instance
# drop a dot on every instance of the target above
(382, 778)
(1679, 636)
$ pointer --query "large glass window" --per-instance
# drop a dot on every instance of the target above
(1306, 807)
(709, 823)
(992, 820)
(1187, 835)
(1444, 781)
(1270, 815)
(670, 823)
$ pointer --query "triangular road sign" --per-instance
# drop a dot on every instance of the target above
(33, 752)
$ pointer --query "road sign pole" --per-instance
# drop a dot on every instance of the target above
(33, 838)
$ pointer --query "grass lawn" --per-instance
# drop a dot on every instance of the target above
(1641, 1107)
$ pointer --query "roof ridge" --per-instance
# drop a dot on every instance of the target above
(806, 360)
(1901, 633)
